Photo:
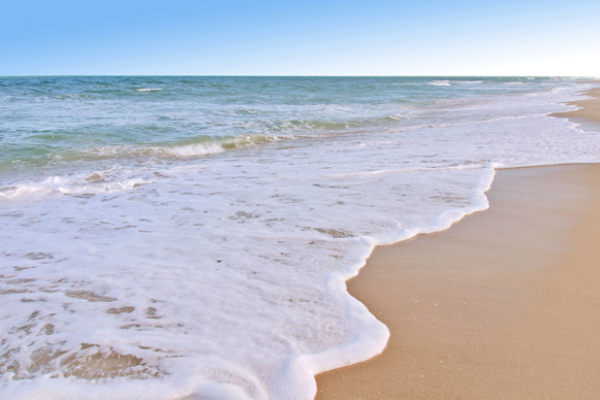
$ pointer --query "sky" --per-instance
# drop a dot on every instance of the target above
(326, 37)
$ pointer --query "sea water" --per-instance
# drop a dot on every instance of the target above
(190, 237)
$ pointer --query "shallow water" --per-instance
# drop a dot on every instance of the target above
(165, 237)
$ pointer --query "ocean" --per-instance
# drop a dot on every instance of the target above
(190, 237)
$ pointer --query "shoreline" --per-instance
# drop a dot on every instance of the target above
(503, 305)
(588, 114)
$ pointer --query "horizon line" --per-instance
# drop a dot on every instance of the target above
(302, 76)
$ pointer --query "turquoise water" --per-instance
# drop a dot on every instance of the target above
(49, 122)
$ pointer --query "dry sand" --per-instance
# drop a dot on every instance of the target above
(503, 305)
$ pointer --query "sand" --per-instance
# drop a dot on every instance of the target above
(503, 305)
(588, 116)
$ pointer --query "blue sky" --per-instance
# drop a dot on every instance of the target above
(265, 37)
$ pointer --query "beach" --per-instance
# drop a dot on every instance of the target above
(174, 237)
(503, 305)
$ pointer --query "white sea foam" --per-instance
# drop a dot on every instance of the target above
(226, 279)
(440, 83)
(149, 89)
(70, 185)
(174, 152)
(191, 150)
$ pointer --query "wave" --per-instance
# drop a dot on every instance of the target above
(125, 154)
(149, 89)
(199, 147)
(440, 83)
(144, 151)
(96, 183)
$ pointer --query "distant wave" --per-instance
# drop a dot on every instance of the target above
(149, 89)
(440, 83)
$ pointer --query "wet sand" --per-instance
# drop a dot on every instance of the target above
(588, 116)
(590, 108)
(503, 305)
